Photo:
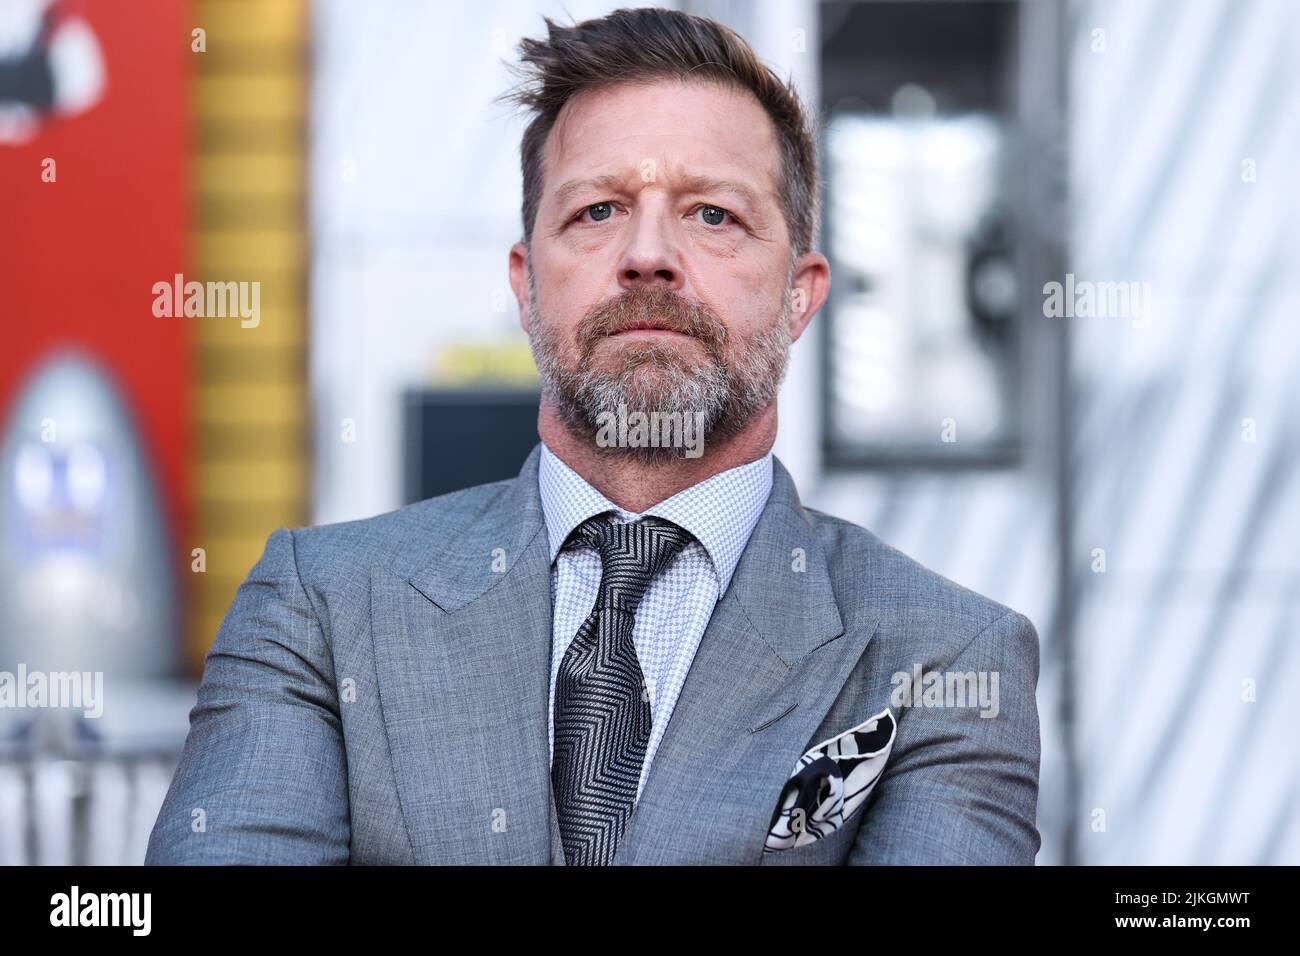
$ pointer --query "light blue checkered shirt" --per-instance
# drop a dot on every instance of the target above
(720, 512)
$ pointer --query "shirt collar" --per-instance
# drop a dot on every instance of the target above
(720, 511)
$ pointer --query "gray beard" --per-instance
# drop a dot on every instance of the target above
(724, 392)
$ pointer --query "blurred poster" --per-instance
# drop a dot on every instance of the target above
(93, 194)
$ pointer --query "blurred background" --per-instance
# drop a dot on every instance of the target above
(1058, 364)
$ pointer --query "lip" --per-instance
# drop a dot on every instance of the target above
(649, 333)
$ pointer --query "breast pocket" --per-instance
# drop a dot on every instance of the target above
(829, 786)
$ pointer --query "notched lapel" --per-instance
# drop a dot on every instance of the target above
(770, 664)
(462, 654)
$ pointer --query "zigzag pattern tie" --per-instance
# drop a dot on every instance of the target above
(602, 713)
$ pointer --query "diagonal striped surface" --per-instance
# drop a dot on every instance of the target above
(1183, 129)
(1184, 448)
(602, 714)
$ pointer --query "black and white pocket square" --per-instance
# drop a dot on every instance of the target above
(829, 782)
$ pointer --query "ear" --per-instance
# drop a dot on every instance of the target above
(810, 285)
(519, 282)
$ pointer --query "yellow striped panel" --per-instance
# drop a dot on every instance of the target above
(276, 328)
(279, 477)
(249, 397)
(237, 254)
(251, 22)
(254, 97)
(259, 402)
(251, 173)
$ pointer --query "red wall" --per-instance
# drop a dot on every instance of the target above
(78, 257)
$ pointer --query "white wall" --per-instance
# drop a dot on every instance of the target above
(415, 204)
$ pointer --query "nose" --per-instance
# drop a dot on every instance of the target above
(651, 256)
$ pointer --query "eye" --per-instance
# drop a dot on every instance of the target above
(599, 211)
(714, 215)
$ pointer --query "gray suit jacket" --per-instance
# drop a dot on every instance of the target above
(378, 693)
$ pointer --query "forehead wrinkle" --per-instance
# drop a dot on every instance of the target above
(559, 138)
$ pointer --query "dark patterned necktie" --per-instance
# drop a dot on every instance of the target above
(602, 712)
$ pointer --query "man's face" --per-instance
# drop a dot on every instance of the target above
(660, 274)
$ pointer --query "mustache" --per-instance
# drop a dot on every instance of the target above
(661, 307)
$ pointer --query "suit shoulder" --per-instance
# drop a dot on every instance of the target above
(391, 538)
(864, 568)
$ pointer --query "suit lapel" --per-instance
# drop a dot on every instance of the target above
(462, 652)
(770, 664)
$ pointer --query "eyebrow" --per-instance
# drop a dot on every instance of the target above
(607, 182)
(694, 184)
(707, 184)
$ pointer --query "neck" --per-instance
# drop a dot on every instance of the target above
(637, 485)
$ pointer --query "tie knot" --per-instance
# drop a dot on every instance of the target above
(631, 554)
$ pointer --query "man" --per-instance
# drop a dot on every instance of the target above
(643, 649)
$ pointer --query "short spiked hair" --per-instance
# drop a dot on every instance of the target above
(638, 45)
